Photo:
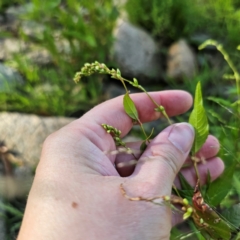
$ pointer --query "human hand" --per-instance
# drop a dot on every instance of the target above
(76, 191)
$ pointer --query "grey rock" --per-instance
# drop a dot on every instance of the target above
(39, 56)
(25, 133)
(32, 29)
(135, 52)
(16, 11)
(1, 19)
(182, 62)
(12, 19)
(10, 46)
(199, 38)
(33, 53)
(112, 90)
(9, 78)
(15, 186)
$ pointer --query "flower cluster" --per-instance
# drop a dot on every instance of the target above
(91, 68)
(115, 134)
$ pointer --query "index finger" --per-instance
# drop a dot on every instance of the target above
(112, 112)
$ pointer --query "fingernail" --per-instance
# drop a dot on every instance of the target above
(182, 136)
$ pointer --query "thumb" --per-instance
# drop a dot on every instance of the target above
(164, 157)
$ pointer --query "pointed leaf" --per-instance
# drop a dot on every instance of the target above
(221, 186)
(198, 119)
(207, 220)
(232, 215)
(184, 183)
(212, 226)
(216, 116)
(51, 4)
(143, 146)
(186, 190)
(184, 193)
(208, 183)
(220, 101)
(129, 107)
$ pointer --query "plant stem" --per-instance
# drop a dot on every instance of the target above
(176, 190)
(229, 62)
(196, 170)
(141, 126)
(160, 107)
(235, 74)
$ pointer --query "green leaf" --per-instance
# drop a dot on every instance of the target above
(232, 215)
(129, 107)
(211, 225)
(197, 233)
(89, 39)
(186, 190)
(215, 227)
(9, 208)
(51, 4)
(184, 183)
(209, 181)
(143, 146)
(220, 101)
(217, 116)
(221, 186)
(199, 121)
(232, 128)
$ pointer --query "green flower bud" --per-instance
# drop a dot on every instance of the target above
(185, 201)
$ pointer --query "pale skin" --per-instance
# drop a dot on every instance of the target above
(76, 191)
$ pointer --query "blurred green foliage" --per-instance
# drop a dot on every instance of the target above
(12, 214)
(72, 32)
(173, 19)
(4, 4)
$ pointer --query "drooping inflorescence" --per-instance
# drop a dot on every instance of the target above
(91, 68)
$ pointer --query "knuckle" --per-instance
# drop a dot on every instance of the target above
(168, 156)
(50, 139)
(52, 142)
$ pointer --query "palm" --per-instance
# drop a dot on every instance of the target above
(77, 185)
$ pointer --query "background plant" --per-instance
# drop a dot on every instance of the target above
(173, 19)
(71, 32)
